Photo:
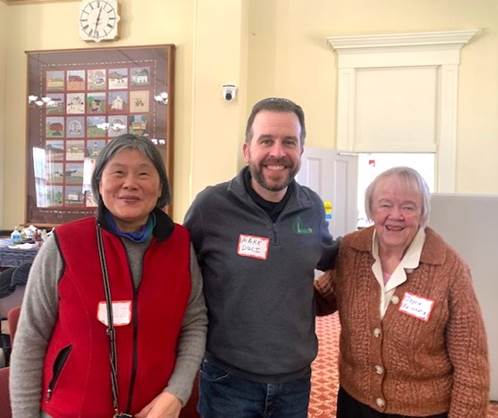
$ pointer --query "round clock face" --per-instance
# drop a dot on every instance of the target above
(98, 20)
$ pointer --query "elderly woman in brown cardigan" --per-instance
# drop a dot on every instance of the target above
(412, 342)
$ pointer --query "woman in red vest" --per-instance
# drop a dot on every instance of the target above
(113, 322)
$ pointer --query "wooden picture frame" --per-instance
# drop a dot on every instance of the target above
(78, 100)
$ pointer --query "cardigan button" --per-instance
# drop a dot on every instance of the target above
(379, 369)
(377, 332)
(380, 402)
(395, 300)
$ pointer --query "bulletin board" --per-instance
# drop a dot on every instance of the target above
(79, 100)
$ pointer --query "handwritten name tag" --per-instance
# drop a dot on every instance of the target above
(416, 306)
(121, 313)
(253, 246)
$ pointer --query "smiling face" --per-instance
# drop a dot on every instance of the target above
(274, 153)
(130, 187)
(396, 213)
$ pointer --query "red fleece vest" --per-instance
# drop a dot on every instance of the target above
(76, 375)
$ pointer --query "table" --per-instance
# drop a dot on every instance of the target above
(14, 257)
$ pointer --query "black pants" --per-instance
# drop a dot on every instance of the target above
(348, 407)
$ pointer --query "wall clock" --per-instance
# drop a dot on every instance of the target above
(98, 20)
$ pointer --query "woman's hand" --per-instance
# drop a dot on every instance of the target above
(164, 405)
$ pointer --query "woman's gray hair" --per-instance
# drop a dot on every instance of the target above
(412, 180)
(141, 144)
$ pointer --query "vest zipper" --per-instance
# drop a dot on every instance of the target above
(133, 375)
(134, 360)
(57, 367)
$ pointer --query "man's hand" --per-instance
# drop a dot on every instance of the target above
(164, 405)
(324, 294)
(323, 284)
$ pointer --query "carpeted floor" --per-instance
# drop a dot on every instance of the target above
(324, 380)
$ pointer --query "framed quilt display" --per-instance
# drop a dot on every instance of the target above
(80, 99)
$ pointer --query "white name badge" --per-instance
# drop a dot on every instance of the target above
(121, 312)
(416, 306)
(253, 246)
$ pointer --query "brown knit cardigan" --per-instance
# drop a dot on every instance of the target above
(401, 364)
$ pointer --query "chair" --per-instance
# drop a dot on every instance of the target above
(5, 411)
(6, 304)
(12, 300)
(12, 320)
(7, 339)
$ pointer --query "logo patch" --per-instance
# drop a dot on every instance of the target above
(299, 228)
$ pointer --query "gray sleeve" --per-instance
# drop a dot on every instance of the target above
(194, 223)
(38, 315)
(192, 340)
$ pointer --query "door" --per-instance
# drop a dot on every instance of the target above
(334, 177)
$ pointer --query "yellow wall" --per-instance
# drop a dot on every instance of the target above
(267, 47)
(290, 57)
(204, 123)
(216, 123)
(3, 17)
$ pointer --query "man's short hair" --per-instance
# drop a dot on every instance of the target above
(276, 104)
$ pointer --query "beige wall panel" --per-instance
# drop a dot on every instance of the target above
(477, 150)
(407, 98)
(305, 67)
(3, 40)
(281, 50)
(262, 50)
(219, 55)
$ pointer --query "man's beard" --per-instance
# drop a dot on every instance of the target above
(257, 173)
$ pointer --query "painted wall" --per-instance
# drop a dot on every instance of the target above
(267, 47)
(209, 38)
(220, 39)
(3, 17)
(288, 56)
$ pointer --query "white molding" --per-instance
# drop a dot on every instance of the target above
(400, 50)
(459, 37)
(346, 110)
(447, 124)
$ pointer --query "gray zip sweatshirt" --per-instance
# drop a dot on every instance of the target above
(258, 279)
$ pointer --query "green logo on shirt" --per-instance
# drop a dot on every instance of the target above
(299, 228)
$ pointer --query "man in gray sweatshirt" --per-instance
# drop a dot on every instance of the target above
(258, 239)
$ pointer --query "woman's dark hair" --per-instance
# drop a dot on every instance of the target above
(141, 144)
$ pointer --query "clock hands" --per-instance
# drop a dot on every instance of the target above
(97, 21)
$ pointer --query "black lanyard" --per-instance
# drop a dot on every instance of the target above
(111, 332)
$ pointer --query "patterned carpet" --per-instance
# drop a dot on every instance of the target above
(324, 380)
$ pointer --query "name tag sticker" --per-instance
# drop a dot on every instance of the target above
(253, 246)
(416, 306)
(121, 312)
